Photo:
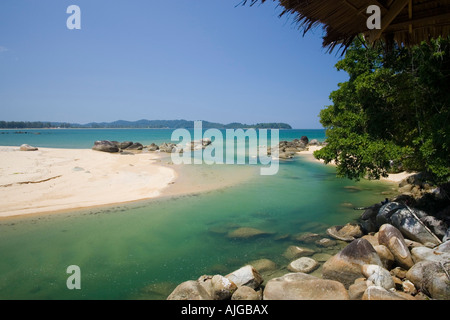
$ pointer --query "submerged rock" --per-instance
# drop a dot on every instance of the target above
(303, 264)
(246, 232)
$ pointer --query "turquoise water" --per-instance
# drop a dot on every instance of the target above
(85, 138)
(143, 250)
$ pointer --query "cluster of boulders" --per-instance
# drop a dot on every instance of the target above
(115, 146)
(394, 252)
(288, 149)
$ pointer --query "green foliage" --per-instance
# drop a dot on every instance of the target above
(393, 112)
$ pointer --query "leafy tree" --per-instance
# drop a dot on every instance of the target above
(393, 113)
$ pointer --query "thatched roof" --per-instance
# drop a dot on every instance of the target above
(405, 22)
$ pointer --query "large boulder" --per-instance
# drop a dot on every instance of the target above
(346, 265)
(407, 220)
(301, 286)
(134, 146)
(105, 146)
(380, 293)
(386, 211)
(431, 277)
(392, 238)
(189, 290)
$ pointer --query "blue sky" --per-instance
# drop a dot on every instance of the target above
(146, 59)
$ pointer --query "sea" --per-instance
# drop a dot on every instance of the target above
(144, 249)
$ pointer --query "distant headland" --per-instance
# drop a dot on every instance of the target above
(152, 124)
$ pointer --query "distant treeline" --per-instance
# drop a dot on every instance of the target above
(153, 124)
(31, 124)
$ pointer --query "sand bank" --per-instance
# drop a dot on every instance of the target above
(60, 179)
(52, 180)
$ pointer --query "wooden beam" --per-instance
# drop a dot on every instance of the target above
(396, 7)
(410, 15)
(420, 22)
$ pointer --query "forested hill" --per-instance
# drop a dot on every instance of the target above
(154, 124)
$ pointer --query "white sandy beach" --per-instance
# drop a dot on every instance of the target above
(59, 179)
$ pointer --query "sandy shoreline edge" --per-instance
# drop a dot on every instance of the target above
(50, 179)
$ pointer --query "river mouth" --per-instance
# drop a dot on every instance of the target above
(143, 250)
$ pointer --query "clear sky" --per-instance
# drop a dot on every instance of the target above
(162, 60)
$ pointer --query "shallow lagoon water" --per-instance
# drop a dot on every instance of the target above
(144, 249)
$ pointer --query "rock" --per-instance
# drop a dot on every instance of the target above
(385, 255)
(428, 254)
(346, 265)
(294, 252)
(246, 293)
(357, 289)
(105, 146)
(378, 275)
(386, 211)
(304, 264)
(301, 286)
(408, 287)
(246, 232)
(123, 145)
(27, 147)
(135, 146)
(321, 256)
(189, 290)
(411, 227)
(246, 276)
(346, 233)
(325, 242)
(152, 147)
(222, 288)
(392, 238)
(263, 265)
(372, 239)
(304, 139)
(431, 277)
(398, 272)
(379, 293)
(307, 237)
(438, 227)
(314, 142)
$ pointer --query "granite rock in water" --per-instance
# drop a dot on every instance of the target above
(348, 233)
(303, 264)
(246, 276)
